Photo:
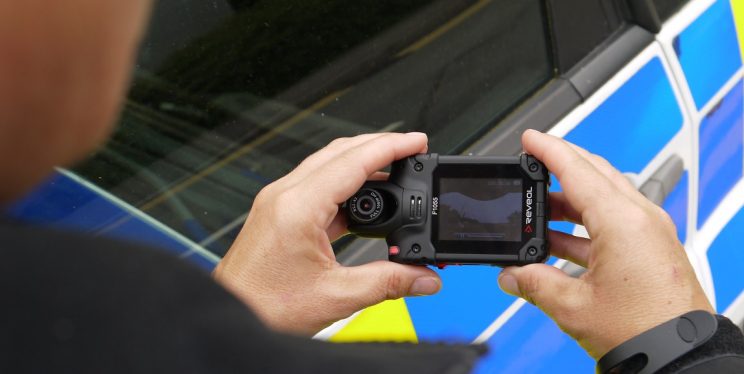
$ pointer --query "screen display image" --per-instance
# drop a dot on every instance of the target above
(480, 209)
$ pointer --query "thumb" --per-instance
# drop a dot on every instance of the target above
(383, 280)
(543, 285)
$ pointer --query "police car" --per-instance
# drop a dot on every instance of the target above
(229, 95)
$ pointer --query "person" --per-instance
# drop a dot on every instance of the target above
(75, 303)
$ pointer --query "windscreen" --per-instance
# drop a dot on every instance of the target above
(229, 95)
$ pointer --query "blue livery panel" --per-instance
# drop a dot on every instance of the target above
(530, 342)
(630, 139)
(635, 123)
(65, 203)
(708, 51)
(470, 300)
(726, 258)
(721, 155)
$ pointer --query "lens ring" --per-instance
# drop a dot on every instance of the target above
(366, 206)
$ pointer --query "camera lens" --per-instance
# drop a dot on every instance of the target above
(366, 206)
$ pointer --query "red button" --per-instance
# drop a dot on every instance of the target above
(394, 250)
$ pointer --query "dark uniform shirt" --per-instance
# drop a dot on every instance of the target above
(75, 303)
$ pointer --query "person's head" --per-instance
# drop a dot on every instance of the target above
(63, 73)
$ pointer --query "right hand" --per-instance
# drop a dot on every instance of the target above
(638, 275)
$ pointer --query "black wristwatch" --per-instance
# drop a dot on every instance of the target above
(657, 347)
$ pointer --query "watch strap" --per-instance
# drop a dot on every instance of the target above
(662, 344)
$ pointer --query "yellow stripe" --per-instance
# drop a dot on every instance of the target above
(388, 321)
(297, 118)
(738, 6)
(444, 28)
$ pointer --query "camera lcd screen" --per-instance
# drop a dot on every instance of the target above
(480, 209)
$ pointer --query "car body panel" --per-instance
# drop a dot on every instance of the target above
(652, 94)
(66, 201)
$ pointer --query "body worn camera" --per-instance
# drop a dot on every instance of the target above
(440, 210)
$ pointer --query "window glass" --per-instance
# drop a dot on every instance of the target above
(579, 26)
(667, 8)
(229, 95)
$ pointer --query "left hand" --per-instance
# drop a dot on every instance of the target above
(282, 263)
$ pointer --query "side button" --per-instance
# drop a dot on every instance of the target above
(540, 210)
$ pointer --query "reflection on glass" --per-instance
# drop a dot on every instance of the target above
(229, 95)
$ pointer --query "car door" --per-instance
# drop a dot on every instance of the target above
(668, 119)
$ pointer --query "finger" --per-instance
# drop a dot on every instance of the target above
(379, 176)
(569, 247)
(585, 188)
(545, 286)
(609, 171)
(561, 209)
(328, 153)
(338, 227)
(379, 281)
(341, 177)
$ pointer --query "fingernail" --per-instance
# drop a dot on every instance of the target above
(414, 133)
(425, 286)
(508, 284)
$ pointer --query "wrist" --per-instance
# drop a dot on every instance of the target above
(632, 320)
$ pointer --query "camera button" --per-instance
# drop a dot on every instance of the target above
(540, 209)
(394, 250)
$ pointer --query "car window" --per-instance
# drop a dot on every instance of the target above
(667, 8)
(227, 96)
(580, 26)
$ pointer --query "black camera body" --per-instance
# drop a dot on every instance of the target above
(440, 210)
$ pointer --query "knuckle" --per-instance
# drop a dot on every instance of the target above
(637, 217)
(337, 142)
(642, 218)
(530, 287)
(284, 199)
(388, 138)
(347, 158)
(309, 160)
(351, 166)
(665, 218)
(572, 304)
(571, 308)
(600, 161)
(265, 194)
(282, 205)
(392, 283)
